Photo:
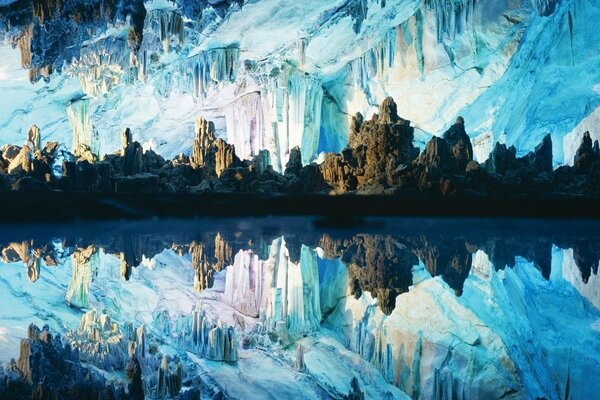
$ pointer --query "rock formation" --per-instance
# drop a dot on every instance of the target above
(587, 154)
(380, 159)
(460, 143)
(210, 153)
(132, 153)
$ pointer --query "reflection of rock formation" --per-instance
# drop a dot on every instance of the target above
(100, 341)
(424, 344)
(207, 258)
(130, 254)
(30, 254)
(378, 264)
(589, 286)
(586, 256)
(47, 368)
(446, 257)
(85, 265)
(503, 250)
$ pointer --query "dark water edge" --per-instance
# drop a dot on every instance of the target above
(60, 206)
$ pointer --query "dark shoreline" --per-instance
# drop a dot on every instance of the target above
(340, 209)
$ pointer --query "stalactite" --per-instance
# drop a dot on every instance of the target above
(305, 97)
(211, 67)
(452, 17)
(101, 66)
(169, 24)
(245, 124)
(301, 46)
(375, 62)
(78, 112)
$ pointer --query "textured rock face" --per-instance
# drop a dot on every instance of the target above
(376, 150)
(367, 63)
(437, 156)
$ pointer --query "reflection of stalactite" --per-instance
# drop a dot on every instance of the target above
(294, 297)
(85, 263)
(244, 283)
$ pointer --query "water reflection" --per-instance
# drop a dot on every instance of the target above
(381, 264)
(437, 309)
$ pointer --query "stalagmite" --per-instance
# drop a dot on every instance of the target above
(205, 137)
(170, 378)
(132, 154)
(208, 152)
(224, 157)
(299, 361)
(215, 342)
